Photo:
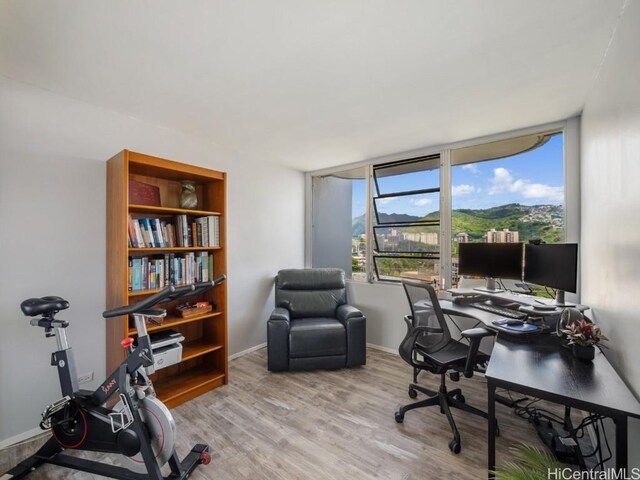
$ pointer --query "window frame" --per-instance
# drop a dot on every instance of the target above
(570, 129)
(378, 253)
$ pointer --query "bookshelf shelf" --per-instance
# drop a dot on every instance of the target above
(133, 208)
(140, 293)
(171, 321)
(204, 364)
(133, 250)
(196, 348)
(192, 382)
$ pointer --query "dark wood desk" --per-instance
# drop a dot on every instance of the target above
(542, 368)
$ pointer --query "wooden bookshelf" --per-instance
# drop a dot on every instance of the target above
(204, 364)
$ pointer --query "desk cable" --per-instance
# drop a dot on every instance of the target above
(536, 414)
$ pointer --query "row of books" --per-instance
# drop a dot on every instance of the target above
(177, 232)
(159, 271)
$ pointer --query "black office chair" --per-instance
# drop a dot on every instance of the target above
(428, 337)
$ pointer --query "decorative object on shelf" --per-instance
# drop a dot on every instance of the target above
(143, 194)
(188, 197)
(190, 309)
(584, 336)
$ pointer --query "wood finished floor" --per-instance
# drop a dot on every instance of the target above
(331, 425)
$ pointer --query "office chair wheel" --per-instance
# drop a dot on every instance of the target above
(454, 446)
(412, 392)
(399, 417)
(459, 397)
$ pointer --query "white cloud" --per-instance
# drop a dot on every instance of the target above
(472, 167)
(503, 182)
(540, 190)
(462, 189)
(384, 201)
(421, 202)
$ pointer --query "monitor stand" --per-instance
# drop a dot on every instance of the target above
(490, 288)
(559, 300)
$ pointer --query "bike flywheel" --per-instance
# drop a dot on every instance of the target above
(161, 429)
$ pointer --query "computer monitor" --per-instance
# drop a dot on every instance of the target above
(552, 265)
(490, 260)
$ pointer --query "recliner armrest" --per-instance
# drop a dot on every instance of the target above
(355, 325)
(475, 336)
(278, 340)
(280, 313)
(345, 311)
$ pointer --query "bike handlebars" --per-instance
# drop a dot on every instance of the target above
(167, 294)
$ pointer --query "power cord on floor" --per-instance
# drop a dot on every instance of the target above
(537, 415)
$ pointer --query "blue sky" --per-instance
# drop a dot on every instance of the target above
(530, 178)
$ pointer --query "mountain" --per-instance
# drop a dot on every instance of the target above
(358, 226)
(535, 221)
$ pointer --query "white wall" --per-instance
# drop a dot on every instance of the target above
(611, 204)
(52, 233)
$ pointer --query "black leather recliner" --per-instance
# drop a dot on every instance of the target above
(312, 325)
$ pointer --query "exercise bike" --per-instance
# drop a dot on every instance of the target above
(139, 426)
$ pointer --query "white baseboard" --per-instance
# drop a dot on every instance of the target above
(248, 350)
(393, 351)
(21, 437)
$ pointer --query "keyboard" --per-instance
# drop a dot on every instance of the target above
(504, 312)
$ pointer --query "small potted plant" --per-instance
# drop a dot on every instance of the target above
(584, 336)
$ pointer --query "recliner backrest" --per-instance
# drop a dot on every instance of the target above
(311, 292)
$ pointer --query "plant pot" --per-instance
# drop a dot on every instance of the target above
(585, 353)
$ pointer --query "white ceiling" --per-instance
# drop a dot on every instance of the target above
(315, 83)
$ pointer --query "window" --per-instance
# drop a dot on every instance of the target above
(406, 228)
(391, 220)
(507, 191)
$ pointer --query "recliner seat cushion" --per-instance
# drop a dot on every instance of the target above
(316, 337)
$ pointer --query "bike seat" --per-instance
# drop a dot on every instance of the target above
(45, 305)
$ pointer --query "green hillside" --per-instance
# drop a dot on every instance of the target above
(358, 227)
(537, 221)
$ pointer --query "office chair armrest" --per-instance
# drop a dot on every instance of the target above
(479, 332)
(280, 313)
(346, 311)
(475, 336)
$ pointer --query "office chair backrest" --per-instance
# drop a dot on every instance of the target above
(426, 311)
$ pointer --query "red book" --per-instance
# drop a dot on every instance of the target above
(144, 194)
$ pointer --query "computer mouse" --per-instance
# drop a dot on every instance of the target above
(514, 322)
